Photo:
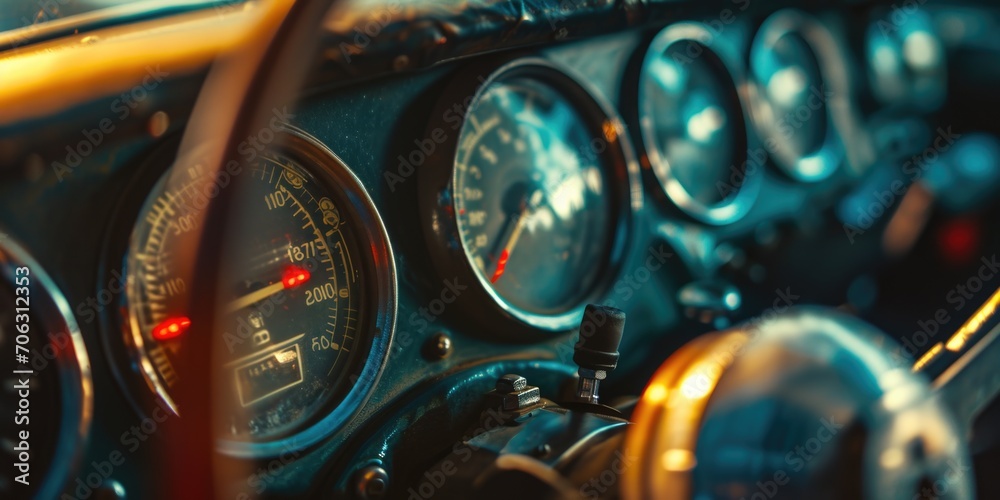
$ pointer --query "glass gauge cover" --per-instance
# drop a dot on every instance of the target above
(800, 94)
(693, 128)
(539, 194)
(302, 293)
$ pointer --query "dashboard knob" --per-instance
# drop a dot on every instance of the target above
(807, 404)
(596, 351)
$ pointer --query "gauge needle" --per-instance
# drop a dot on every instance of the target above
(529, 208)
(293, 277)
(508, 248)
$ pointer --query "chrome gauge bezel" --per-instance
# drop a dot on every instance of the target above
(736, 206)
(896, 79)
(437, 180)
(337, 180)
(828, 157)
(49, 305)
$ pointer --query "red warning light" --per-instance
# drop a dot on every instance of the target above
(294, 276)
(171, 327)
(959, 241)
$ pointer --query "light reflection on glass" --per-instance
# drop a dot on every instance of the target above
(688, 104)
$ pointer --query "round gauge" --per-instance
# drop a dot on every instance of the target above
(906, 62)
(46, 377)
(538, 194)
(307, 298)
(789, 59)
(693, 128)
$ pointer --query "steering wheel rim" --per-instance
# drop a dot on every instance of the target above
(238, 95)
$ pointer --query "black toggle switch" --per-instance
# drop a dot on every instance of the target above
(596, 351)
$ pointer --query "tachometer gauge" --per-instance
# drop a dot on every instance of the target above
(692, 125)
(309, 291)
(801, 98)
(535, 199)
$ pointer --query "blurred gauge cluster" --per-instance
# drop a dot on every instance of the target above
(425, 268)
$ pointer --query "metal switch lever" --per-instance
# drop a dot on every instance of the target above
(596, 351)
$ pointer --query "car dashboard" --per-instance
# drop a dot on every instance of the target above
(574, 249)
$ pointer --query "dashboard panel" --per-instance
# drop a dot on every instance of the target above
(430, 227)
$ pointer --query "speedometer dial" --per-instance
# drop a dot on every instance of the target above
(530, 203)
(302, 296)
(539, 194)
(692, 126)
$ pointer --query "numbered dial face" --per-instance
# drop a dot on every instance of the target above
(293, 286)
(531, 197)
